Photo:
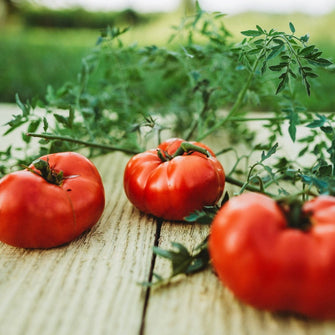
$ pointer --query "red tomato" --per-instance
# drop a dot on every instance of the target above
(270, 265)
(36, 213)
(170, 183)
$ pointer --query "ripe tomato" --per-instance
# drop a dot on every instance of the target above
(50, 203)
(270, 265)
(174, 180)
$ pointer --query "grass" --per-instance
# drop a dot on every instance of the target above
(32, 58)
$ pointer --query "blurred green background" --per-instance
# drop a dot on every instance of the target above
(40, 46)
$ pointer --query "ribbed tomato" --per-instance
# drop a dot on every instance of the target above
(174, 180)
(277, 257)
(50, 203)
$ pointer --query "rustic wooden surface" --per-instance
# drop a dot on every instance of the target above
(90, 286)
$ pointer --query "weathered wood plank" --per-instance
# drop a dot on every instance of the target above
(88, 286)
(200, 305)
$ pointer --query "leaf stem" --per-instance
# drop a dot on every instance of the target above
(238, 102)
(293, 197)
(205, 109)
(248, 119)
(85, 143)
(246, 186)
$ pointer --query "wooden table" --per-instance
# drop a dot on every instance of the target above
(90, 286)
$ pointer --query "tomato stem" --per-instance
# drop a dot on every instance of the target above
(185, 147)
(296, 217)
(163, 156)
(46, 172)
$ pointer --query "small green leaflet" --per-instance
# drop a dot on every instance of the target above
(182, 260)
(293, 122)
(45, 124)
(307, 51)
(292, 28)
(320, 184)
(252, 33)
(204, 216)
(25, 108)
(317, 123)
(269, 153)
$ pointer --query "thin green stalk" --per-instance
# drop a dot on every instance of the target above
(195, 122)
(245, 186)
(248, 119)
(85, 143)
(238, 102)
(293, 197)
(332, 158)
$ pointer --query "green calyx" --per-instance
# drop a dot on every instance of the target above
(46, 172)
(185, 147)
(295, 216)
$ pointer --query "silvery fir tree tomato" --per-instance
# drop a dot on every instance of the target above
(174, 180)
(277, 256)
(51, 202)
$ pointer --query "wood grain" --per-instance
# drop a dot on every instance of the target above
(201, 305)
(90, 286)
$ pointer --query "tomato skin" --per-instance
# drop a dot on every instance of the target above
(37, 214)
(271, 266)
(173, 189)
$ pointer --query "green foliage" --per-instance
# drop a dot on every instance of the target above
(127, 95)
(117, 97)
(182, 261)
(293, 52)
